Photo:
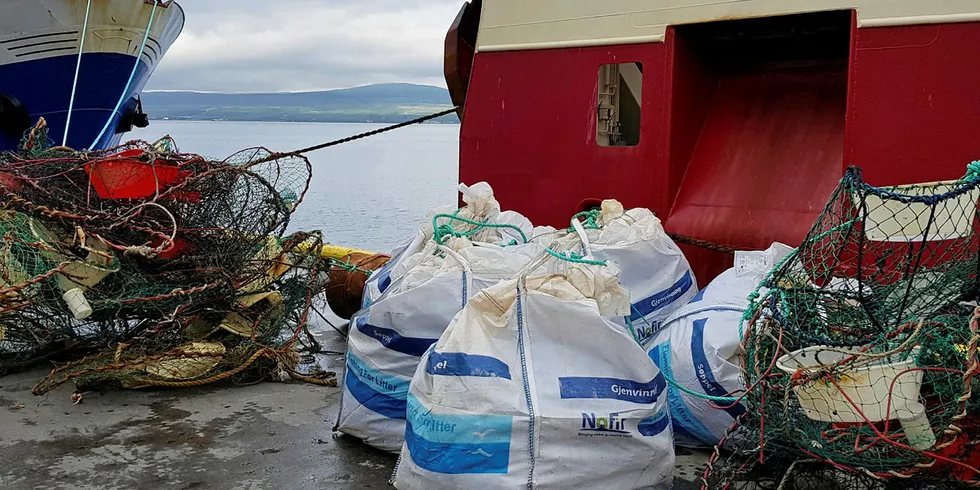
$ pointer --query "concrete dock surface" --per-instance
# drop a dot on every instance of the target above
(264, 436)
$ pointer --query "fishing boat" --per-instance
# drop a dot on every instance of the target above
(733, 120)
(81, 65)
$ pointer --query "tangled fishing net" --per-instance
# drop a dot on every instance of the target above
(860, 349)
(145, 266)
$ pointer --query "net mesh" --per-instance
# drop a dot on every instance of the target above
(860, 348)
(146, 266)
(742, 469)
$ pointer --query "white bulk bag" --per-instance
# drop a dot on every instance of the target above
(532, 387)
(380, 280)
(653, 268)
(387, 339)
(479, 206)
(698, 347)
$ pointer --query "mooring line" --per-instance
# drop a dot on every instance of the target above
(419, 120)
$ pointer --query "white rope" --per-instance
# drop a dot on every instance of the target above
(132, 75)
(78, 67)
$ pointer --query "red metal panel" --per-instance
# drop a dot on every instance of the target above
(768, 157)
(751, 159)
(692, 90)
(913, 110)
(530, 131)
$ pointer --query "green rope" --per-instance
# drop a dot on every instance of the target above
(720, 399)
(973, 170)
(442, 231)
(574, 258)
(754, 297)
(629, 323)
(348, 266)
(847, 288)
(591, 219)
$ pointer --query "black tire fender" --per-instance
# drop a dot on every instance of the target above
(14, 117)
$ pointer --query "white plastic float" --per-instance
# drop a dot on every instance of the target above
(870, 393)
(78, 275)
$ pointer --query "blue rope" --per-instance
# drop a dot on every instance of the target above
(78, 68)
(132, 75)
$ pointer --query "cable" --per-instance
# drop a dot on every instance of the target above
(78, 67)
(418, 120)
(132, 75)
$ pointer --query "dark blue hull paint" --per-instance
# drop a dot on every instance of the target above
(44, 88)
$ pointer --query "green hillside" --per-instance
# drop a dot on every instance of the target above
(383, 103)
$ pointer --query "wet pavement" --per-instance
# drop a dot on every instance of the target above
(266, 436)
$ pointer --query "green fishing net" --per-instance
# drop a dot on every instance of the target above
(144, 266)
(860, 349)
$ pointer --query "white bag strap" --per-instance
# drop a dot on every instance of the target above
(583, 237)
(534, 263)
(467, 271)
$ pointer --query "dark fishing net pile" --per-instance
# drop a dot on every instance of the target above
(741, 469)
(178, 267)
(885, 282)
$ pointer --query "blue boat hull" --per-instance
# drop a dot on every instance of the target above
(44, 88)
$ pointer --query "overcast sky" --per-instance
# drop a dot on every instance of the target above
(293, 45)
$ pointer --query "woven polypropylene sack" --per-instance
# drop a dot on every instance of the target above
(698, 345)
(388, 338)
(505, 228)
(652, 266)
(532, 387)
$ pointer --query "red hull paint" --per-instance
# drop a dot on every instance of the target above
(720, 158)
(529, 129)
(913, 111)
(769, 155)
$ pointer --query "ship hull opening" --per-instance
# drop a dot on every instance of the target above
(758, 127)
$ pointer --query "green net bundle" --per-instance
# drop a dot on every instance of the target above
(860, 349)
(145, 266)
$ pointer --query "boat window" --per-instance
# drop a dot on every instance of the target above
(619, 99)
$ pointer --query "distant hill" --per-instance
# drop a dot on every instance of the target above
(382, 103)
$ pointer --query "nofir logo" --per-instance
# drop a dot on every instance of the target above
(603, 425)
(647, 329)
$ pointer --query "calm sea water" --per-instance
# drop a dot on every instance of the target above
(370, 193)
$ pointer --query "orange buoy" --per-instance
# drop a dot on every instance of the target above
(346, 286)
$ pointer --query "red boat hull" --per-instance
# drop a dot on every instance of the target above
(740, 158)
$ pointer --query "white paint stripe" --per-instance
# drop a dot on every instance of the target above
(574, 43)
(920, 20)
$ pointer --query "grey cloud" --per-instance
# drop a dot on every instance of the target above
(282, 45)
